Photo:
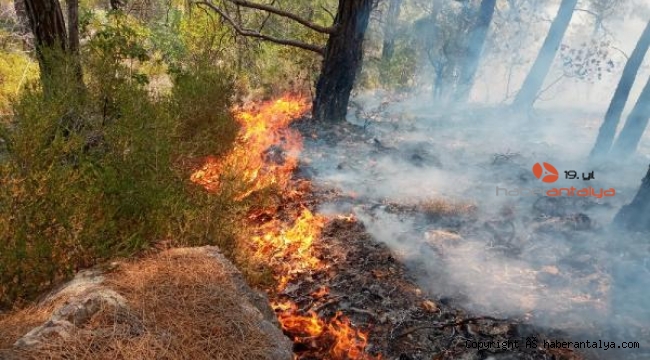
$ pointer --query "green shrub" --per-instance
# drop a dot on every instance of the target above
(202, 100)
(16, 69)
(91, 174)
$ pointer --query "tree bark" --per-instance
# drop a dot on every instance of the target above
(390, 30)
(475, 43)
(635, 216)
(73, 26)
(73, 41)
(48, 27)
(613, 116)
(342, 60)
(21, 15)
(118, 4)
(635, 125)
(535, 79)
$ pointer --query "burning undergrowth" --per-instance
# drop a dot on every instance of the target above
(340, 294)
(265, 157)
(426, 185)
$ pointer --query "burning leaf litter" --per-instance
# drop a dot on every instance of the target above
(266, 155)
(333, 277)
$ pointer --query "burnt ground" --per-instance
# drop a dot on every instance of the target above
(373, 289)
(371, 286)
(588, 278)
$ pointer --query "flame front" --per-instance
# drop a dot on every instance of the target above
(262, 129)
(342, 340)
(265, 155)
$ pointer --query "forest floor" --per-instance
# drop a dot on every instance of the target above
(369, 284)
(422, 253)
(412, 253)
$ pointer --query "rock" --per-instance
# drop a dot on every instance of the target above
(84, 296)
(257, 298)
(89, 309)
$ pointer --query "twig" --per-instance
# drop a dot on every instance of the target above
(539, 94)
(328, 12)
(363, 311)
(329, 302)
(20, 83)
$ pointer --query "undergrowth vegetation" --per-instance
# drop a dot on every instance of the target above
(102, 170)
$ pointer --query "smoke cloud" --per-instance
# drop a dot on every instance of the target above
(423, 179)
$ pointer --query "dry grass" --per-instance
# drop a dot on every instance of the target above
(14, 325)
(443, 207)
(183, 305)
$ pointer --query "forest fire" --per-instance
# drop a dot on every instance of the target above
(263, 129)
(265, 155)
(341, 340)
(290, 249)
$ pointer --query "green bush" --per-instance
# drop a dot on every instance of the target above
(202, 100)
(89, 174)
(16, 69)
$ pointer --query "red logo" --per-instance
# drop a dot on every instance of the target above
(548, 173)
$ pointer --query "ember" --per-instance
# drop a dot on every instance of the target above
(266, 154)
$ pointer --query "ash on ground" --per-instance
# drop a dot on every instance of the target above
(425, 184)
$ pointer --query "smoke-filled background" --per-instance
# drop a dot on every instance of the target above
(424, 180)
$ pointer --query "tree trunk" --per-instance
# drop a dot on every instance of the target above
(119, 4)
(535, 79)
(21, 15)
(635, 125)
(390, 29)
(73, 26)
(342, 60)
(73, 41)
(613, 116)
(635, 216)
(475, 43)
(48, 27)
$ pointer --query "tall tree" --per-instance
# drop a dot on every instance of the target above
(390, 29)
(21, 15)
(535, 79)
(635, 125)
(73, 40)
(613, 116)
(475, 42)
(635, 216)
(48, 27)
(342, 54)
(342, 60)
(73, 26)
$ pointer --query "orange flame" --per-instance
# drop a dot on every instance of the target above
(344, 342)
(261, 131)
(291, 248)
(349, 343)
(266, 154)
